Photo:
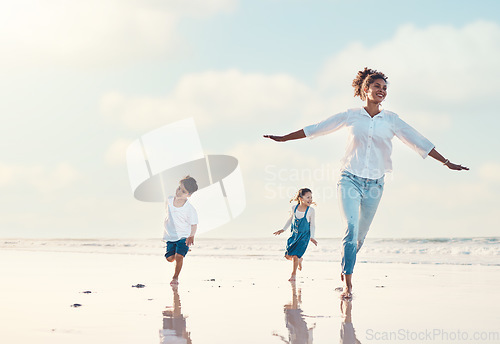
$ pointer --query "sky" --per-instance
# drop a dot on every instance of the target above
(80, 81)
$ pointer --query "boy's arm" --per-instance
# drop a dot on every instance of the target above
(190, 239)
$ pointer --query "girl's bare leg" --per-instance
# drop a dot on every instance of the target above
(300, 263)
(295, 262)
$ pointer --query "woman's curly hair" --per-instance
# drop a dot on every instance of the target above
(364, 79)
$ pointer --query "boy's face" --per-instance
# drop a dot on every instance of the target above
(181, 192)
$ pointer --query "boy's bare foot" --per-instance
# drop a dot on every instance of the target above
(292, 278)
(346, 294)
(300, 264)
(174, 281)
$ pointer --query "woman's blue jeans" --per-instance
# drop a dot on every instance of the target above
(358, 200)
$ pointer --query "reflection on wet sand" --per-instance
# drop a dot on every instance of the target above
(298, 331)
(174, 323)
(347, 333)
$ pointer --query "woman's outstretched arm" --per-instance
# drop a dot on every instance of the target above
(299, 134)
(434, 153)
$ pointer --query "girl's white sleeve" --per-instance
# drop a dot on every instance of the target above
(289, 221)
(312, 222)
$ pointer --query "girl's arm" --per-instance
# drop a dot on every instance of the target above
(299, 134)
(312, 225)
(287, 224)
(434, 153)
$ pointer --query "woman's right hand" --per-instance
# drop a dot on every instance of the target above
(275, 138)
(278, 232)
(299, 134)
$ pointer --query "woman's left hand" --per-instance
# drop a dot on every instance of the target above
(314, 241)
(455, 167)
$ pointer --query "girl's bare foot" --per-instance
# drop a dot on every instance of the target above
(292, 278)
(300, 264)
(174, 281)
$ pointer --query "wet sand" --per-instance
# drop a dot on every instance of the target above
(240, 301)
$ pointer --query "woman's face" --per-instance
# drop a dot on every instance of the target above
(377, 91)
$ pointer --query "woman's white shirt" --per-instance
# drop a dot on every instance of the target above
(300, 214)
(369, 145)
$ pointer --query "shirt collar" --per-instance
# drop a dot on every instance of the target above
(380, 114)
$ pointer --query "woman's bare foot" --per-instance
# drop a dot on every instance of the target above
(347, 291)
(292, 278)
(300, 264)
(174, 282)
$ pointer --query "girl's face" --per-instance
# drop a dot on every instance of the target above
(377, 91)
(306, 199)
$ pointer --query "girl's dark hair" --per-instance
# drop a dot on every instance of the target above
(301, 193)
(190, 184)
(364, 79)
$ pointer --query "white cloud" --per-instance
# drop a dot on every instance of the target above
(490, 172)
(42, 178)
(93, 32)
(435, 63)
(116, 152)
(438, 64)
(215, 98)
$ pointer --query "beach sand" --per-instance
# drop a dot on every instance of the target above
(223, 300)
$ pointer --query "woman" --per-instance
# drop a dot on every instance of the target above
(367, 159)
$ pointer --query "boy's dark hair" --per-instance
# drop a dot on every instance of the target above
(190, 184)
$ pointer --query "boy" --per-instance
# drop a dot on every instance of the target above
(180, 225)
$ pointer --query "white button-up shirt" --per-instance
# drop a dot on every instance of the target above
(369, 145)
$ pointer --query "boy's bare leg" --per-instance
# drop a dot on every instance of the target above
(171, 258)
(179, 259)
(295, 261)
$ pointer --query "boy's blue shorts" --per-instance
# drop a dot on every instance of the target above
(178, 246)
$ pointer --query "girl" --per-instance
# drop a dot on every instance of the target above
(367, 159)
(302, 224)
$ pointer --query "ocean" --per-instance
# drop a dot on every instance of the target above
(453, 251)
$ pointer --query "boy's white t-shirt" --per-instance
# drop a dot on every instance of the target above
(179, 220)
